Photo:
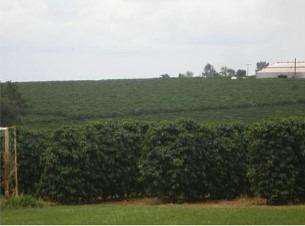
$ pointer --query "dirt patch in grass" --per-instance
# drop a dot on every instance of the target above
(242, 202)
(142, 201)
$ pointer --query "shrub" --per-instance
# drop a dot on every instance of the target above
(63, 178)
(114, 150)
(282, 76)
(31, 147)
(226, 148)
(22, 201)
(184, 161)
(277, 160)
(98, 161)
(173, 166)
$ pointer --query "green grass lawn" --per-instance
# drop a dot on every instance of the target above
(156, 214)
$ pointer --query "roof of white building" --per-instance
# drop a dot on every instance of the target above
(285, 67)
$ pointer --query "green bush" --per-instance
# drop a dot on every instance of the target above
(186, 161)
(98, 161)
(172, 163)
(63, 178)
(227, 154)
(277, 160)
(21, 202)
(31, 147)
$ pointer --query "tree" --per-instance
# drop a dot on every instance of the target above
(11, 103)
(165, 76)
(224, 71)
(227, 72)
(261, 65)
(241, 73)
(189, 74)
(230, 72)
(181, 75)
(209, 70)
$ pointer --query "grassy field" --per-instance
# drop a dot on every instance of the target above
(157, 214)
(56, 103)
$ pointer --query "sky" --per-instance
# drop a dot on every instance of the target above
(43, 40)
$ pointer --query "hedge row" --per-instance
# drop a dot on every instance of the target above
(185, 161)
(174, 161)
(277, 160)
(98, 161)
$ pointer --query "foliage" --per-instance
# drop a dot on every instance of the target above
(63, 178)
(53, 104)
(12, 104)
(98, 161)
(176, 161)
(188, 74)
(261, 65)
(277, 160)
(227, 72)
(230, 72)
(31, 147)
(209, 70)
(187, 162)
(21, 202)
(282, 76)
(165, 76)
(226, 144)
(241, 73)
(173, 167)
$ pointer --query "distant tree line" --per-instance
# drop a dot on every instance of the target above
(209, 71)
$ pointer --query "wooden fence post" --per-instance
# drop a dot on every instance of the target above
(15, 162)
(6, 185)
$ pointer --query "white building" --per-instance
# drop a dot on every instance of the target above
(291, 69)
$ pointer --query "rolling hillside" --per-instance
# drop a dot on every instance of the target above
(56, 103)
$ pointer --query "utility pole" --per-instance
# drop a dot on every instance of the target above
(248, 65)
(295, 67)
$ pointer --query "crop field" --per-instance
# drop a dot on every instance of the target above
(56, 103)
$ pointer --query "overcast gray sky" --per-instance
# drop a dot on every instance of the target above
(102, 39)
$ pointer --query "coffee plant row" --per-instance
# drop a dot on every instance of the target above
(174, 161)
